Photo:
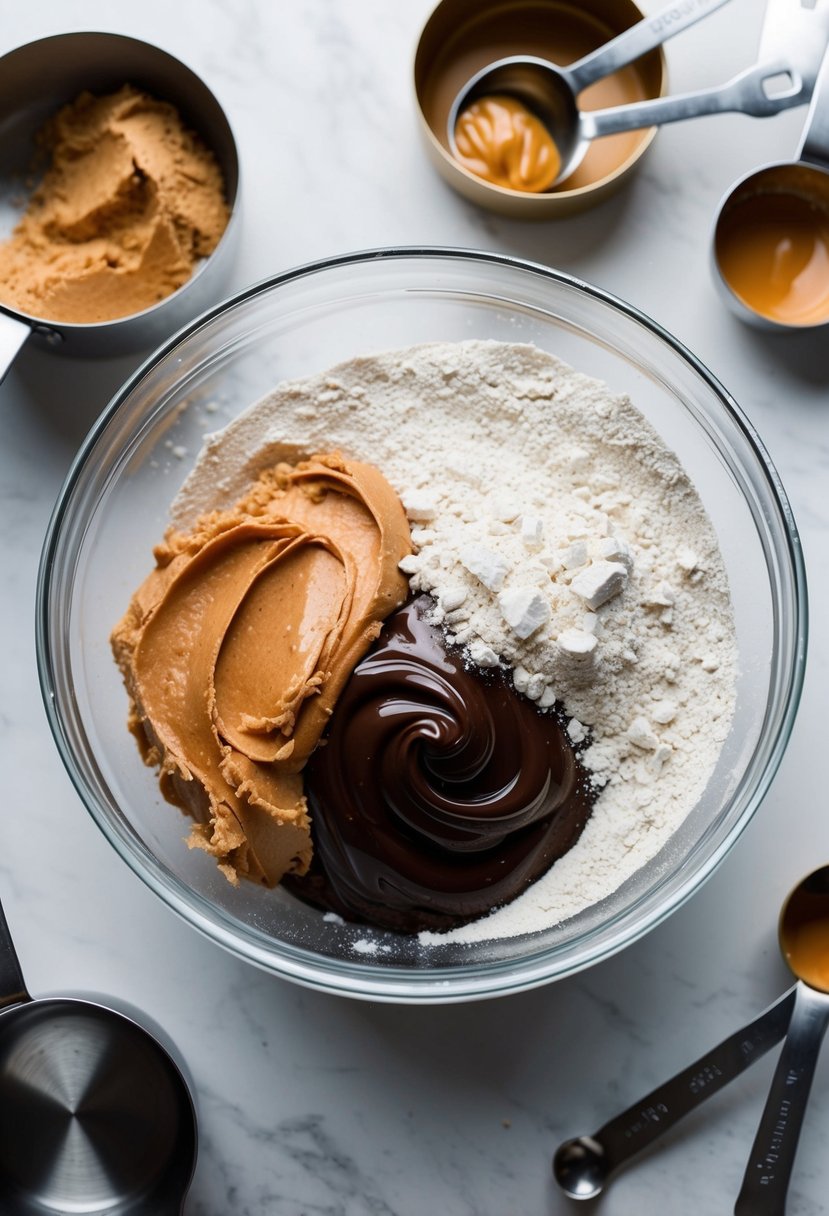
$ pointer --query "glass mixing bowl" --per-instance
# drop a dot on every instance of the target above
(113, 508)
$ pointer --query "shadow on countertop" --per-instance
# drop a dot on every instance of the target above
(60, 397)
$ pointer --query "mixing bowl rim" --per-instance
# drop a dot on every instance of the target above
(378, 982)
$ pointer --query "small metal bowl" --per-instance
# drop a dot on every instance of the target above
(35, 81)
(463, 36)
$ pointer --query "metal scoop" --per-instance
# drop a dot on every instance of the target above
(779, 81)
(95, 1115)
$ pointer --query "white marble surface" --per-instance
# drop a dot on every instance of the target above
(313, 1104)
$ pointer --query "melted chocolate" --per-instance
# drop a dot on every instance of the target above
(439, 792)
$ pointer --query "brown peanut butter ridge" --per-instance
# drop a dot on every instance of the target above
(235, 649)
(503, 142)
(130, 203)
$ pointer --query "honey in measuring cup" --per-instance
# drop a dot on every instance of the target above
(503, 142)
(772, 252)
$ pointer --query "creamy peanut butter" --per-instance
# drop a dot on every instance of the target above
(503, 142)
(130, 203)
(236, 647)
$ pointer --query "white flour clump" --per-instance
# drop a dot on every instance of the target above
(560, 539)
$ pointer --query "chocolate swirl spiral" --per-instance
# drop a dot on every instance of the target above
(439, 793)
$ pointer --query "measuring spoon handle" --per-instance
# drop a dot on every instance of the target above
(772, 1156)
(640, 38)
(655, 1114)
(745, 94)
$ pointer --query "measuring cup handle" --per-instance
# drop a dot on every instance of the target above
(13, 334)
(814, 146)
(645, 36)
(12, 984)
(772, 1156)
(744, 94)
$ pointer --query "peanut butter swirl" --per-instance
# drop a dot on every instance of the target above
(440, 793)
(236, 647)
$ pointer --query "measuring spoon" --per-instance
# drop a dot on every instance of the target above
(583, 1165)
(95, 1115)
(793, 41)
(550, 90)
(803, 932)
(757, 91)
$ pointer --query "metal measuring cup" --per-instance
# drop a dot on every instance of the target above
(95, 1113)
(35, 81)
(798, 184)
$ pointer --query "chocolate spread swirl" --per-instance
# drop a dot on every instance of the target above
(440, 793)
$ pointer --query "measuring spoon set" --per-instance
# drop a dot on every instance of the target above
(756, 273)
(583, 1165)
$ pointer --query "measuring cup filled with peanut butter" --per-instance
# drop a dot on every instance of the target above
(119, 179)
(770, 246)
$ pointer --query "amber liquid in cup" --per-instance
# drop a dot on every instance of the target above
(806, 942)
(773, 251)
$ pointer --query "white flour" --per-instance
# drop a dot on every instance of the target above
(558, 536)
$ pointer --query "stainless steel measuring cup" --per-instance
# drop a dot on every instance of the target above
(792, 280)
(35, 81)
(95, 1114)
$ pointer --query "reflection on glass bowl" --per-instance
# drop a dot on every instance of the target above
(114, 505)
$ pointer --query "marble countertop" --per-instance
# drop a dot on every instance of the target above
(312, 1104)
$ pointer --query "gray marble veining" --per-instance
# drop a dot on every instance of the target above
(311, 1105)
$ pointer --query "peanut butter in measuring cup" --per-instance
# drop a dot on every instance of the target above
(508, 160)
(500, 140)
(772, 251)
